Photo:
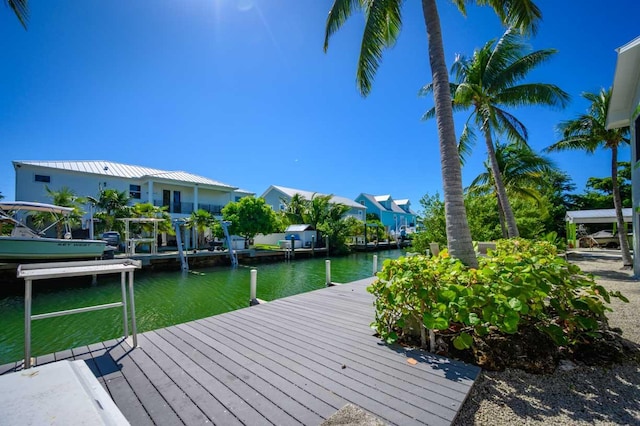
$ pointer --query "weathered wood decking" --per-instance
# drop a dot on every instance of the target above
(292, 361)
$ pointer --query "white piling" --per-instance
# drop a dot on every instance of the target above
(254, 284)
(375, 264)
(327, 264)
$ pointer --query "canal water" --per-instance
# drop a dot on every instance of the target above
(162, 299)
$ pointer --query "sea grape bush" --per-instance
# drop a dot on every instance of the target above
(520, 283)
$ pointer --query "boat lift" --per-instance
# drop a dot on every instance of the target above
(184, 264)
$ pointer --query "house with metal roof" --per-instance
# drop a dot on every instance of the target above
(624, 110)
(278, 196)
(181, 192)
(395, 215)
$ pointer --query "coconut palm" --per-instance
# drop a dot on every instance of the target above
(382, 27)
(487, 83)
(21, 10)
(65, 197)
(112, 204)
(588, 132)
(523, 172)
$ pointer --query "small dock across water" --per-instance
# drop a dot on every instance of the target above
(292, 361)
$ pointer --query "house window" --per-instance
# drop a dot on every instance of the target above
(43, 178)
(135, 191)
(238, 199)
(282, 207)
(360, 213)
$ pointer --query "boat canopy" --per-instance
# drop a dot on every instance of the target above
(31, 206)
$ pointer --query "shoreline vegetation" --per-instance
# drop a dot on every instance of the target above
(575, 393)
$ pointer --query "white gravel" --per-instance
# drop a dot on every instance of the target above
(582, 396)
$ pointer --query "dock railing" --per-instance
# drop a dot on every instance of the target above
(41, 271)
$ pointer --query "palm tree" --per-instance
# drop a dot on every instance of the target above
(588, 132)
(200, 220)
(65, 197)
(487, 83)
(21, 10)
(382, 27)
(113, 204)
(523, 171)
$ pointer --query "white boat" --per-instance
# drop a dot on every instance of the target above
(26, 244)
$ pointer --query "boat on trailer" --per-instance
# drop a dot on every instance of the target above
(25, 243)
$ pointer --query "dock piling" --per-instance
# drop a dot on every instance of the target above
(327, 264)
(375, 264)
(254, 284)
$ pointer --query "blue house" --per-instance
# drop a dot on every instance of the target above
(395, 215)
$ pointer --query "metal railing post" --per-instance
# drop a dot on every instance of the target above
(133, 311)
(27, 324)
(125, 317)
(254, 285)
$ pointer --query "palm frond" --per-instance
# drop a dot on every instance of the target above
(533, 94)
(524, 15)
(20, 9)
(511, 126)
(338, 15)
(382, 27)
(519, 67)
(466, 143)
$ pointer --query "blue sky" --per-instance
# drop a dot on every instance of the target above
(240, 90)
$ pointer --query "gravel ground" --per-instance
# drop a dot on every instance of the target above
(581, 396)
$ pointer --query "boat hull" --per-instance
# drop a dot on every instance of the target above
(12, 248)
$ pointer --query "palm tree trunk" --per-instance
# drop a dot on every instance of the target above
(503, 225)
(503, 200)
(458, 233)
(627, 262)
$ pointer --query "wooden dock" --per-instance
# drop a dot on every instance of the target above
(292, 361)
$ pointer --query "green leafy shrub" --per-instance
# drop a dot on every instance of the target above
(520, 284)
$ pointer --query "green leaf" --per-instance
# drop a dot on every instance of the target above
(510, 322)
(556, 333)
(474, 319)
(515, 304)
(449, 295)
(587, 323)
(428, 320)
(463, 341)
(441, 323)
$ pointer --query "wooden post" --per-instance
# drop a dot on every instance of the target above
(254, 284)
(313, 245)
(375, 264)
(327, 265)
(293, 246)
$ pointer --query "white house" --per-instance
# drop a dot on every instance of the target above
(624, 110)
(181, 192)
(275, 195)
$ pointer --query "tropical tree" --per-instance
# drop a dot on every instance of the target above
(294, 208)
(111, 204)
(382, 27)
(200, 220)
(65, 197)
(487, 83)
(336, 226)
(523, 174)
(588, 132)
(20, 9)
(249, 217)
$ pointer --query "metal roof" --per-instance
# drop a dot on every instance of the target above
(309, 195)
(625, 85)
(298, 228)
(597, 216)
(127, 171)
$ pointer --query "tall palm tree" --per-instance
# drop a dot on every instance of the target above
(21, 10)
(588, 132)
(112, 204)
(523, 172)
(200, 220)
(382, 27)
(489, 82)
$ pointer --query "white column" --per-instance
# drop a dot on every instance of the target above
(150, 195)
(195, 197)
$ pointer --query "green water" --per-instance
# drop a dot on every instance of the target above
(162, 299)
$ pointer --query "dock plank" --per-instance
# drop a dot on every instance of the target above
(291, 361)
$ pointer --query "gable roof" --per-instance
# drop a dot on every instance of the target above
(290, 192)
(127, 171)
(597, 215)
(373, 201)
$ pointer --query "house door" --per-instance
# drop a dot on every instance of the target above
(177, 205)
(166, 198)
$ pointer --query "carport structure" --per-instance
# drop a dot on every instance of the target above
(576, 217)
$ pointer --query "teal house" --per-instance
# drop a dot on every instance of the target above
(395, 215)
